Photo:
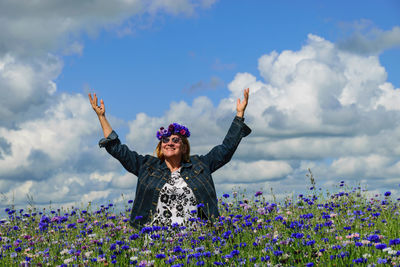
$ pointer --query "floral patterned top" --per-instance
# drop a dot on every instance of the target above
(176, 203)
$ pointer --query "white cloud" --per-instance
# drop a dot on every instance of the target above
(253, 172)
(320, 107)
(32, 28)
(46, 144)
(26, 87)
(370, 40)
(324, 107)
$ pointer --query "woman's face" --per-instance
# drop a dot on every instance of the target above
(172, 147)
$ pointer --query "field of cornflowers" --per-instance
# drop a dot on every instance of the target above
(345, 228)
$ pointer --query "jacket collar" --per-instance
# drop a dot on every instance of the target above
(164, 166)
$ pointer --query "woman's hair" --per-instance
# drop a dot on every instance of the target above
(185, 156)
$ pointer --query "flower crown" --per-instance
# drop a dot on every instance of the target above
(173, 128)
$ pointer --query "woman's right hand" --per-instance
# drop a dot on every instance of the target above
(100, 110)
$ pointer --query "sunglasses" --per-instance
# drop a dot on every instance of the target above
(175, 140)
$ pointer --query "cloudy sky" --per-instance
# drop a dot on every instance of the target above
(324, 92)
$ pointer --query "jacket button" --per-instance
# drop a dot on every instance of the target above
(187, 178)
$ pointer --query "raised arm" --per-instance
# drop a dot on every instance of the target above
(101, 114)
(222, 154)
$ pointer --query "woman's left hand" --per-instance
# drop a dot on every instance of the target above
(241, 105)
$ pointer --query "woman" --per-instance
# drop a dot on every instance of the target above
(174, 186)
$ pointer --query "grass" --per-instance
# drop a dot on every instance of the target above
(342, 228)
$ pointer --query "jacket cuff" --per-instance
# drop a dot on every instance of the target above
(245, 129)
(110, 138)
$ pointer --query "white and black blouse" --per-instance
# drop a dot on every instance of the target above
(176, 203)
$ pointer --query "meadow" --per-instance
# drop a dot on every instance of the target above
(346, 227)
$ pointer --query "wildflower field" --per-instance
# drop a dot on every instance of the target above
(343, 228)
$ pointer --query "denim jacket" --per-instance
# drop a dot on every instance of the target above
(153, 173)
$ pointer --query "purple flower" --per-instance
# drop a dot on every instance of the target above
(258, 193)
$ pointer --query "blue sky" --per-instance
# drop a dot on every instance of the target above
(227, 38)
(323, 77)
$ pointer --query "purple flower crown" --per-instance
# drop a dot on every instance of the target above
(173, 128)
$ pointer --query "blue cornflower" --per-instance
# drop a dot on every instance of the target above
(207, 254)
(130, 201)
(373, 238)
(160, 256)
(297, 235)
(134, 236)
(226, 234)
(234, 252)
(394, 242)
(177, 249)
(382, 261)
(310, 264)
(360, 260)
(381, 246)
(388, 193)
(199, 249)
(279, 217)
(200, 263)
(225, 195)
(310, 243)
(278, 252)
(358, 244)
(266, 258)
